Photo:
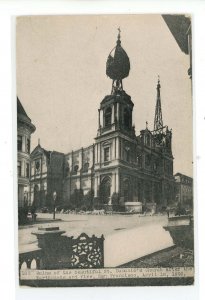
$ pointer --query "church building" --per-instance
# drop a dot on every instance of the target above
(120, 168)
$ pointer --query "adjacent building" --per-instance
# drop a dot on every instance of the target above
(119, 164)
(24, 130)
(47, 174)
(184, 189)
(180, 27)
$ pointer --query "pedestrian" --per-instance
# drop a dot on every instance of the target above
(167, 211)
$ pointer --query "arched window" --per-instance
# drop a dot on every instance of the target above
(126, 118)
(127, 154)
(86, 167)
(108, 116)
(75, 169)
(105, 190)
(148, 140)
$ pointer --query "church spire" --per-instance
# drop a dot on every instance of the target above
(158, 122)
(118, 65)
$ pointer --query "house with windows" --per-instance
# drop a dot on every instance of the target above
(133, 168)
(24, 130)
(184, 189)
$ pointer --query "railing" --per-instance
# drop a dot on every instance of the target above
(27, 258)
(62, 252)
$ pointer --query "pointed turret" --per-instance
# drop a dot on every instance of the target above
(158, 122)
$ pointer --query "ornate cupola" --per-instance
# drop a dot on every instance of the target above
(117, 66)
(115, 111)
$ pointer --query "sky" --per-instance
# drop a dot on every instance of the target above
(61, 79)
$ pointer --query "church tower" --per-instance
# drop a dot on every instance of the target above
(115, 135)
(130, 171)
(115, 111)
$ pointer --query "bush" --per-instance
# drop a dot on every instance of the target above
(115, 199)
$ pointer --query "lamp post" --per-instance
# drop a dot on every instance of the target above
(54, 203)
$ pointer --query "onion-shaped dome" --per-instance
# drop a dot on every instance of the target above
(118, 63)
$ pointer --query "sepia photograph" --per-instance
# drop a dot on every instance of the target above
(105, 150)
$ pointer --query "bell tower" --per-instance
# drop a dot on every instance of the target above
(115, 129)
(115, 113)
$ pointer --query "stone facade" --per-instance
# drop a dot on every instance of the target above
(136, 168)
(120, 166)
(47, 174)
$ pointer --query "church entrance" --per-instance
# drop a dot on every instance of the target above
(105, 190)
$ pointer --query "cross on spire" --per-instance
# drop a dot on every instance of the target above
(119, 31)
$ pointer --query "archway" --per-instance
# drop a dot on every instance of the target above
(105, 190)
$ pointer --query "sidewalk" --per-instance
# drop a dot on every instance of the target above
(31, 223)
(129, 245)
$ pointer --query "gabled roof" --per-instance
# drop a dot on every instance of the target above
(39, 149)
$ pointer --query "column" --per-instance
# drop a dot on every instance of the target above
(99, 153)
(99, 118)
(152, 195)
(96, 153)
(95, 186)
(143, 192)
(23, 168)
(71, 161)
(113, 114)
(112, 186)
(24, 143)
(80, 160)
(117, 148)
(163, 195)
(112, 146)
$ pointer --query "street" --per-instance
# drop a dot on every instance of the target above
(126, 236)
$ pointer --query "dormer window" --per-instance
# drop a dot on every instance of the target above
(108, 116)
